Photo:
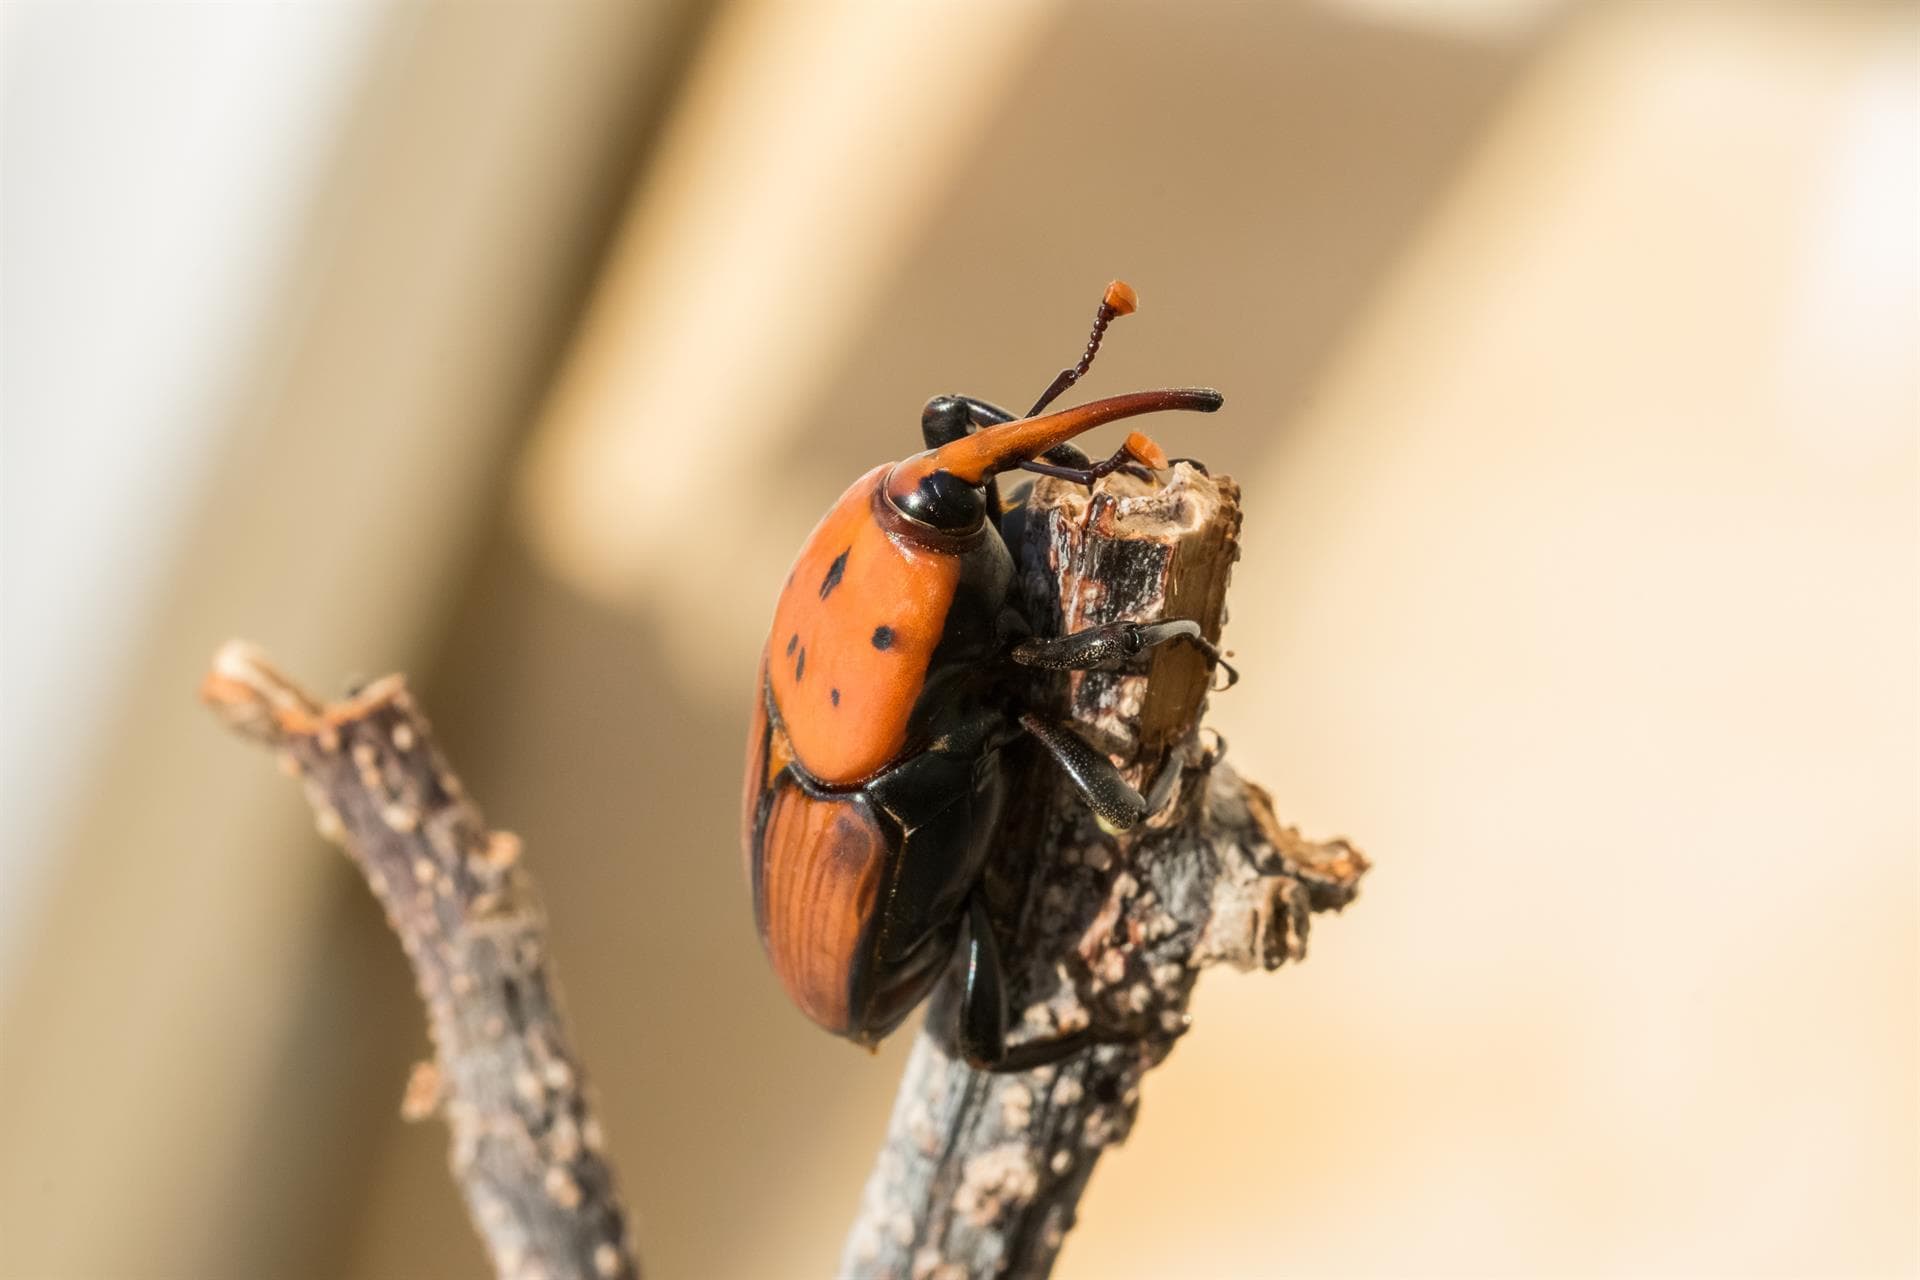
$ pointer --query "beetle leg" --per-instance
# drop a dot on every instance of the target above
(985, 412)
(982, 1031)
(950, 418)
(944, 799)
(1167, 783)
(1109, 646)
(983, 1007)
(1121, 460)
(1110, 796)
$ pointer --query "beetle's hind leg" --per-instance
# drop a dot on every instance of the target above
(982, 1030)
(983, 1007)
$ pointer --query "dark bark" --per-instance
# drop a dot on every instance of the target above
(980, 1174)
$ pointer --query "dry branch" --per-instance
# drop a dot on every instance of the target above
(980, 1174)
(526, 1149)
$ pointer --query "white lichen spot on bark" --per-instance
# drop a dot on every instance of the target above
(563, 1140)
(1016, 1106)
(561, 1187)
(929, 1265)
(993, 1182)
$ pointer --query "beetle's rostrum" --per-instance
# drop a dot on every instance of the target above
(897, 672)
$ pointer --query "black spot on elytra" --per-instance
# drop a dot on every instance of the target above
(800, 666)
(883, 637)
(835, 695)
(792, 640)
(835, 572)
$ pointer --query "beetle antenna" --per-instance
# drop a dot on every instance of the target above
(1120, 300)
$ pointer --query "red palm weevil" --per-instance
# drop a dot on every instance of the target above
(897, 672)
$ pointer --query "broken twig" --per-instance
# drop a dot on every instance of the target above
(527, 1149)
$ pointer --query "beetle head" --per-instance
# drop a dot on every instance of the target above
(945, 488)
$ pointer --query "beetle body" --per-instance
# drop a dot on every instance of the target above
(856, 780)
(887, 692)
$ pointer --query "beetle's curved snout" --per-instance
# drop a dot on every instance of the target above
(986, 453)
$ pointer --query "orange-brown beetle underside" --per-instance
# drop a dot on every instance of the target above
(853, 634)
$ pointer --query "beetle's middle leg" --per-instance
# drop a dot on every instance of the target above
(1110, 796)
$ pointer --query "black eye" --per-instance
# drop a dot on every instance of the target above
(944, 501)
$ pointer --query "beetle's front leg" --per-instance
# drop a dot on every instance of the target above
(949, 418)
(1109, 646)
(1082, 471)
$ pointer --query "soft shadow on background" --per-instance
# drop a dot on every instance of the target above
(1570, 361)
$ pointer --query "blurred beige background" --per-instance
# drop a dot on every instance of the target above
(1570, 355)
